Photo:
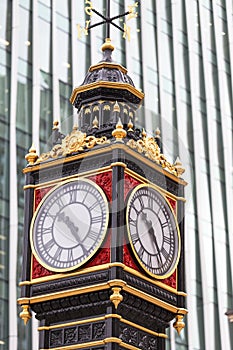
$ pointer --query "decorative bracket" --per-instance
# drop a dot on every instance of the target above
(116, 297)
(25, 314)
(179, 324)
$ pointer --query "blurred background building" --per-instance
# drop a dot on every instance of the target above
(181, 55)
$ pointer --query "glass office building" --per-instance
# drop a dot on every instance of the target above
(181, 55)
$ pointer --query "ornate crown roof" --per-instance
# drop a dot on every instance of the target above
(106, 80)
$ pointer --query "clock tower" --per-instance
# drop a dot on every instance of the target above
(103, 264)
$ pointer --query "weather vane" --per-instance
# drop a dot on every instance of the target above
(107, 19)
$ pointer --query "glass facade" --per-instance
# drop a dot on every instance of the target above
(181, 55)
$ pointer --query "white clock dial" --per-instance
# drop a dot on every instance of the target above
(153, 231)
(69, 225)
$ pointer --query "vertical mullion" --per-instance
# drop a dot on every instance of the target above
(144, 39)
(162, 102)
(13, 231)
(225, 122)
(229, 11)
(55, 80)
(226, 135)
(199, 204)
(176, 67)
(74, 51)
(208, 336)
(35, 116)
(213, 205)
(35, 78)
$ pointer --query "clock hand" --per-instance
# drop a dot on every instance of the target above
(152, 234)
(74, 230)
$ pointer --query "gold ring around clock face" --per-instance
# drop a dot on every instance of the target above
(153, 231)
(69, 225)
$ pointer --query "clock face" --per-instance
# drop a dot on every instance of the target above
(69, 225)
(153, 231)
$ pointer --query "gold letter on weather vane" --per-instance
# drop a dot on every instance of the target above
(127, 30)
(132, 11)
(82, 30)
(88, 9)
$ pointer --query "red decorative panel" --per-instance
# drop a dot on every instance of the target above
(40, 193)
(104, 180)
(38, 270)
(170, 281)
(127, 258)
(130, 183)
(103, 256)
(173, 203)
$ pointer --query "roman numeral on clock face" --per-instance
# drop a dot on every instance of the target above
(141, 202)
(70, 255)
(49, 245)
(73, 196)
(167, 239)
(165, 253)
(57, 254)
(150, 203)
(141, 252)
(93, 235)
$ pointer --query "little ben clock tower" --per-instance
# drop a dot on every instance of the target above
(103, 264)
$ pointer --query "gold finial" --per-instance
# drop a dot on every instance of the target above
(157, 133)
(119, 133)
(116, 107)
(179, 324)
(116, 297)
(178, 167)
(130, 125)
(107, 45)
(95, 123)
(25, 314)
(143, 133)
(75, 127)
(31, 156)
(55, 124)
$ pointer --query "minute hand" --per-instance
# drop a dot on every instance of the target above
(74, 230)
(152, 234)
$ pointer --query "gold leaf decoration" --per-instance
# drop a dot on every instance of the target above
(151, 150)
(76, 141)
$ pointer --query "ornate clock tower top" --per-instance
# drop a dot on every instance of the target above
(107, 101)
